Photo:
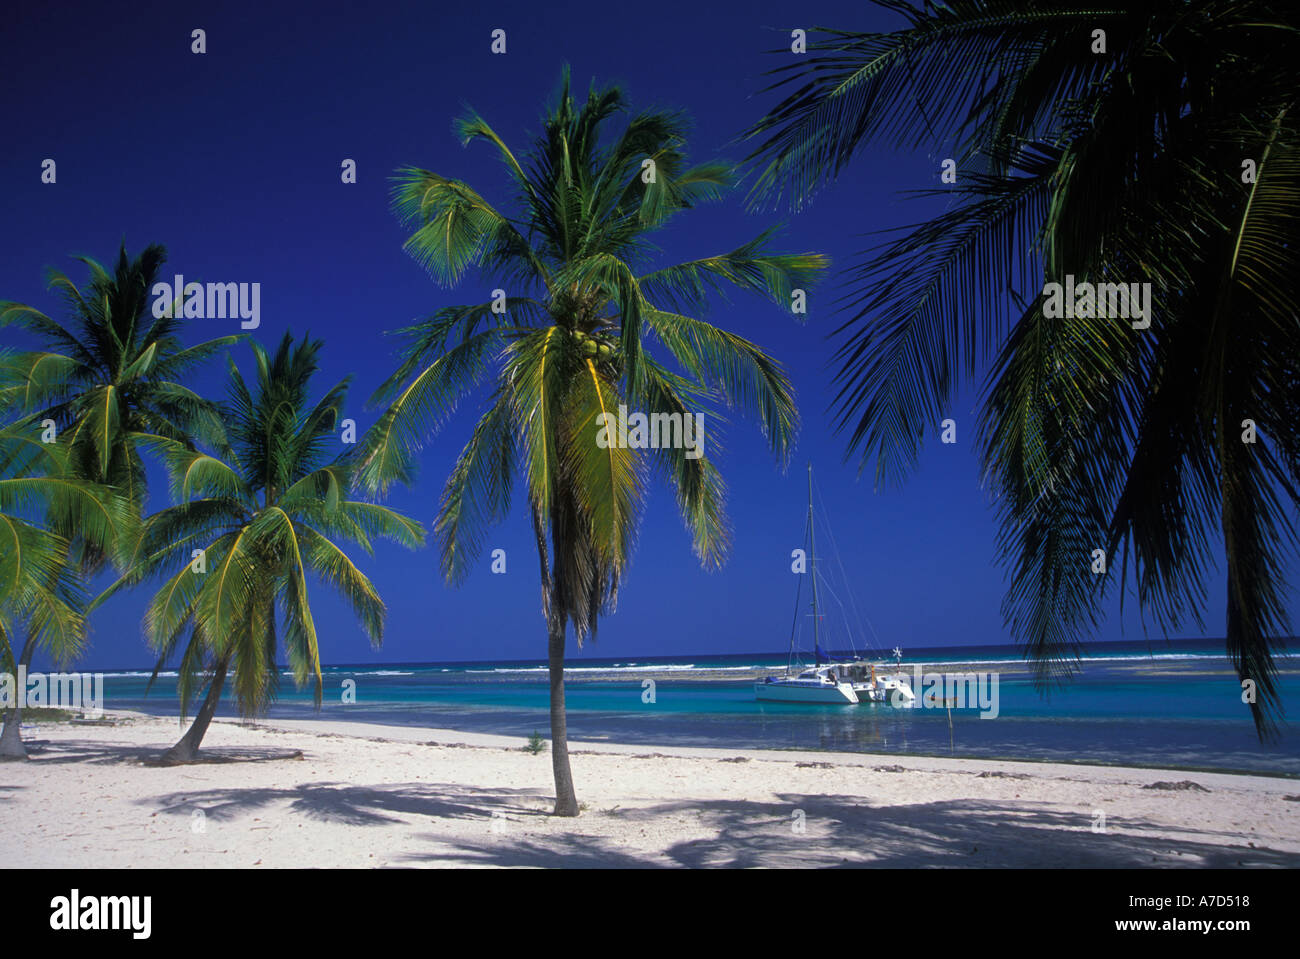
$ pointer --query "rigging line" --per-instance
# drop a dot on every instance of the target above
(824, 581)
(860, 617)
(814, 489)
(798, 592)
(849, 633)
(835, 550)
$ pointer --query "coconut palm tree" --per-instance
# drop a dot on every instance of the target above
(108, 376)
(42, 598)
(1156, 142)
(565, 342)
(248, 531)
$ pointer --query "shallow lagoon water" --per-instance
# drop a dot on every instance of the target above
(1175, 705)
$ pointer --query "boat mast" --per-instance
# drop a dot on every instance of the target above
(812, 564)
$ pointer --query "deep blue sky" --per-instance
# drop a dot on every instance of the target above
(232, 159)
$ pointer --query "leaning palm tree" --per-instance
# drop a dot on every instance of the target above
(248, 532)
(42, 597)
(564, 342)
(109, 375)
(1154, 143)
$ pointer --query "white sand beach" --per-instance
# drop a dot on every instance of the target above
(367, 795)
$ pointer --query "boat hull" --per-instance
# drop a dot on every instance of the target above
(793, 691)
(890, 690)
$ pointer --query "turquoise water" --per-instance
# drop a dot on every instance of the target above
(1171, 704)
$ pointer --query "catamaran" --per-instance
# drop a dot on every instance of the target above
(821, 684)
(848, 682)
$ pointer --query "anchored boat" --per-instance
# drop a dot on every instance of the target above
(849, 682)
(871, 686)
(821, 684)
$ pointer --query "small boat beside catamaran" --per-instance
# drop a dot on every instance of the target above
(848, 682)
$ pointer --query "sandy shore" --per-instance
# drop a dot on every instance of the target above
(363, 795)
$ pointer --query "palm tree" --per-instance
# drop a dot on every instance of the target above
(1111, 145)
(109, 376)
(41, 593)
(266, 516)
(568, 346)
(104, 380)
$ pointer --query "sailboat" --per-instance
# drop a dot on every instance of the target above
(849, 682)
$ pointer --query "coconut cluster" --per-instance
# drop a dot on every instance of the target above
(597, 346)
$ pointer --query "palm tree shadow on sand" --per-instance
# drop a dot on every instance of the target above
(88, 751)
(845, 832)
(841, 831)
(358, 805)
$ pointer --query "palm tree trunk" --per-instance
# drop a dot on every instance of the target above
(11, 740)
(566, 801)
(187, 750)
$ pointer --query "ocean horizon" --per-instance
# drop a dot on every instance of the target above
(1170, 704)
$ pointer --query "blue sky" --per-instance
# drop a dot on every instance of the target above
(232, 160)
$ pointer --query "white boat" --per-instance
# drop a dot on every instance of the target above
(874, 687)
(821, 684)
(855, 681)
(894, 690)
